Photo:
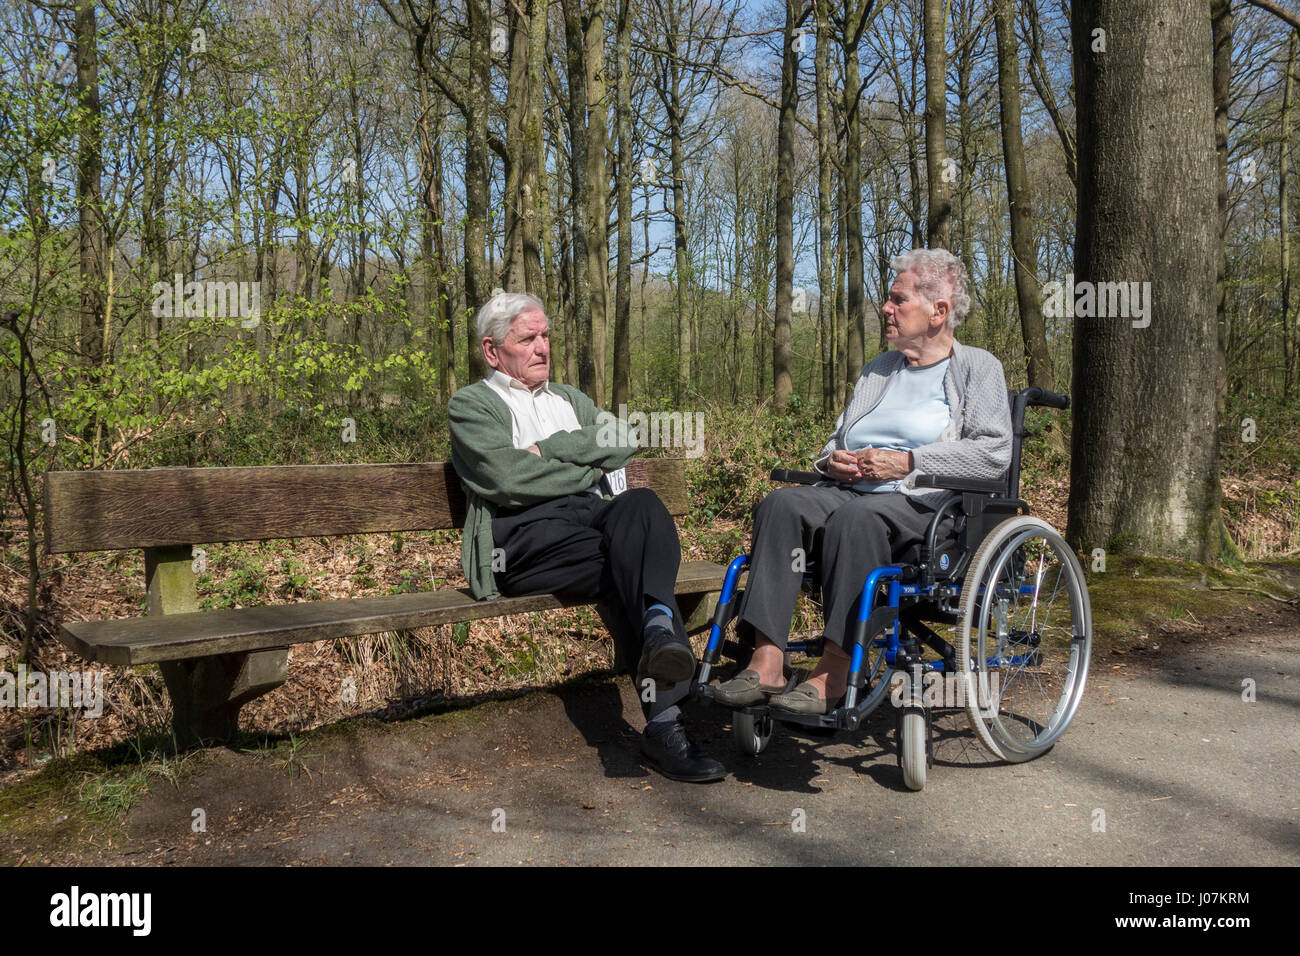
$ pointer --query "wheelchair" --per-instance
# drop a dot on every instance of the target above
(1006, 582)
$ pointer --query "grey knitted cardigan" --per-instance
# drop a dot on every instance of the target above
(976, 443)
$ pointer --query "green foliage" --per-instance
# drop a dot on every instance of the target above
(743, 445)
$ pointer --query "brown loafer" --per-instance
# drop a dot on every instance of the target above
(804, 699)
(744, 689)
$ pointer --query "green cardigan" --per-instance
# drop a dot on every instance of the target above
(496, 474)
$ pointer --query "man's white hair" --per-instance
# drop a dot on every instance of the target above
(500, 312)
(939, 275)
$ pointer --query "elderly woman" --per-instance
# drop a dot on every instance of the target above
(929, 405)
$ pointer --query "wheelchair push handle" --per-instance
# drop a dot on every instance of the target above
(1041, 396)
(796, 477)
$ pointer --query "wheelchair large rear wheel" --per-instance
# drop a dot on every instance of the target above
(1026, 631)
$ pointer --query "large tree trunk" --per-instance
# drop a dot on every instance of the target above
(939, 208)
(1038, 360)
(781, 382)
(1145, 468)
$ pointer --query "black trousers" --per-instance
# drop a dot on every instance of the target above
(623, 551)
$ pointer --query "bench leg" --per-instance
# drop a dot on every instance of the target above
(698, 610)
(207, 692)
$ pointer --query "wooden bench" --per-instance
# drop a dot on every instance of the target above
(214, 662)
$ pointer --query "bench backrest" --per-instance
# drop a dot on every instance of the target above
(166, 507)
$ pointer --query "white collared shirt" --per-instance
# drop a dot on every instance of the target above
(534, 413)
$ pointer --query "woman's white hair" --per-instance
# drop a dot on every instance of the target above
(939, 275)
(500, 311)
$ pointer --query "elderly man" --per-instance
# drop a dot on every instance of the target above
(532, 456)
(928, 405)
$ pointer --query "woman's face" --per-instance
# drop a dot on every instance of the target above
(908, 316)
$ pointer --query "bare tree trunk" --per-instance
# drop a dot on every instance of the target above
(939, 207)
(1145, 466)
(596, 207)
(781, 382)
(826, 254)
(90, 199)
(1284, 223)
(477, 96)
(682, 259)
(579, 343)
(447, 311)
(854, 22)
(1221, 21)
(623, 288)
(1037, 359)
(536, 226)
(519, 95)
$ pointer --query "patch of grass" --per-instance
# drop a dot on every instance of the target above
(1133, 595)
(289, 754)
(70, 797)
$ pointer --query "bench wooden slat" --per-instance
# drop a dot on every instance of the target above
(169, 637)
(161, 507)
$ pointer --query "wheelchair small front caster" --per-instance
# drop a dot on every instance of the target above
(914, 746)
(752, 732)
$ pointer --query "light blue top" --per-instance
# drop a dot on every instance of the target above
(913, 412)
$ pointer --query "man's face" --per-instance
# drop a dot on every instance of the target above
(526, 352)
(908, 317)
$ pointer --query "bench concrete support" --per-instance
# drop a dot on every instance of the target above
(206, 692)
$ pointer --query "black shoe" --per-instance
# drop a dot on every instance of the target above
(666, 657)
(675, 756)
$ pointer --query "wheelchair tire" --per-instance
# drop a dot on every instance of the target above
(753, 732)
(1026, 631)
(913, 754)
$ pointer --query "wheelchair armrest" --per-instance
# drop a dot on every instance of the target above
(796, 477)
(962, 484)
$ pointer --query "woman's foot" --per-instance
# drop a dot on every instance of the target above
(767, 662)
(744, 689)
(804, 699)
(824, 687)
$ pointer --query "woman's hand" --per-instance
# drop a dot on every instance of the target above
(843, 466)
(881, 464)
